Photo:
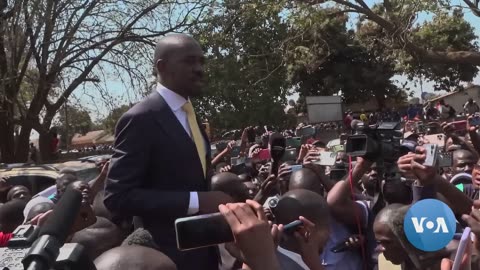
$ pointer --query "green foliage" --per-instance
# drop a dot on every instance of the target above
(73, 120)
(111, 120)
(446, 32)
(245, 71)
(325, 58)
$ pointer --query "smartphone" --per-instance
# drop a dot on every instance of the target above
(239, 168)
(237, 160)
(474, 121)
(202, 231)
(327, 159)
(264, 154)
(296, 168)
(251, 135)
(445, 159)
(459, 126)
(462, 247)
(431, 153)
(291, 227)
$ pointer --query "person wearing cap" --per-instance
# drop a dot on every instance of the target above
(471, 107)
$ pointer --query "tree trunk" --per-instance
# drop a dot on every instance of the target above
(22, 146)
(45, 145)
(7, 140)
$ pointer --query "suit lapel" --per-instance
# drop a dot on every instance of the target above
(170, 124)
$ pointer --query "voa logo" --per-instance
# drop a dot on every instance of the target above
(440, 224)
(429, 225)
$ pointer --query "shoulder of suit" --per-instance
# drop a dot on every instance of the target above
(145, 106)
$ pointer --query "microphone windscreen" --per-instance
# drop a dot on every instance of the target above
(63, 216)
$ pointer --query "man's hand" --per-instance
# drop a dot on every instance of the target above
(310, 246)
(284, 171)
(425, 174)
(473, 221)
(4, 186)
(303, 152)
(230, 146)
(225, 169)
(312, 156)
(405, 165)
(447, 264)
(252, 234)
(209, 201)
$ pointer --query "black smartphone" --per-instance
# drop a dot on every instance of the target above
(202, 231)
(239, 168)
(251, 135)
(291, 227)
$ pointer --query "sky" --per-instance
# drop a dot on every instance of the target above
(124, 95)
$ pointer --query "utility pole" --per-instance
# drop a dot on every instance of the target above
(66, 124)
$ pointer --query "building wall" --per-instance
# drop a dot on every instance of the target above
(458, 99)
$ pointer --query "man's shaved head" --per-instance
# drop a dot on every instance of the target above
(231, 184)
(305, 179)
(134, 257)
(169, 44)
(304, 203)
(179, 62)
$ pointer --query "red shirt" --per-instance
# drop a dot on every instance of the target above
(4, 238)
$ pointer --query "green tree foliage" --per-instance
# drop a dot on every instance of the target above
(112, 118)
(325, 58)
(245, 71)
(446, 32)
(72, 120)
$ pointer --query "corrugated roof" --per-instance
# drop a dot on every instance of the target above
(456, 92)
(89, 138)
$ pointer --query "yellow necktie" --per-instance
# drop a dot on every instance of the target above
(196, 134)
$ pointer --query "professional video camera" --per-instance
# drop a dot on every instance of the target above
(32, 248)
(380, 143)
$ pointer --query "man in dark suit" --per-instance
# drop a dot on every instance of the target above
(160, 167)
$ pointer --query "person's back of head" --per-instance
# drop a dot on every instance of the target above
(302, 202)
(11, 215)
(38, 209)
(230, 184)
(397, 191)
(140, 237)
(134, 257)
(306, 179)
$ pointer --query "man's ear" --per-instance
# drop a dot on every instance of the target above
(160, 66)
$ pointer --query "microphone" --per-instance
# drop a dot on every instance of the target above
(53, 234)
(277, 150)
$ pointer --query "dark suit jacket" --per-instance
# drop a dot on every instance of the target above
(154, 167)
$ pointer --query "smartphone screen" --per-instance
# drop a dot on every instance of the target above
(202, 231)
(474, 121)
(289, 155)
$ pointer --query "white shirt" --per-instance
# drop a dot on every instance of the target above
(175, 102)
(294, 257)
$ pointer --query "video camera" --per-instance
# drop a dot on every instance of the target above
(376, 143)
(71, 256)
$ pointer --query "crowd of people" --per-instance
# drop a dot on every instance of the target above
(349, 214)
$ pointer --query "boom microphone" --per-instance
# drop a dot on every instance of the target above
(46, 248)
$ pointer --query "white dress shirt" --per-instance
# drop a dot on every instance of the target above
(175, 102)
